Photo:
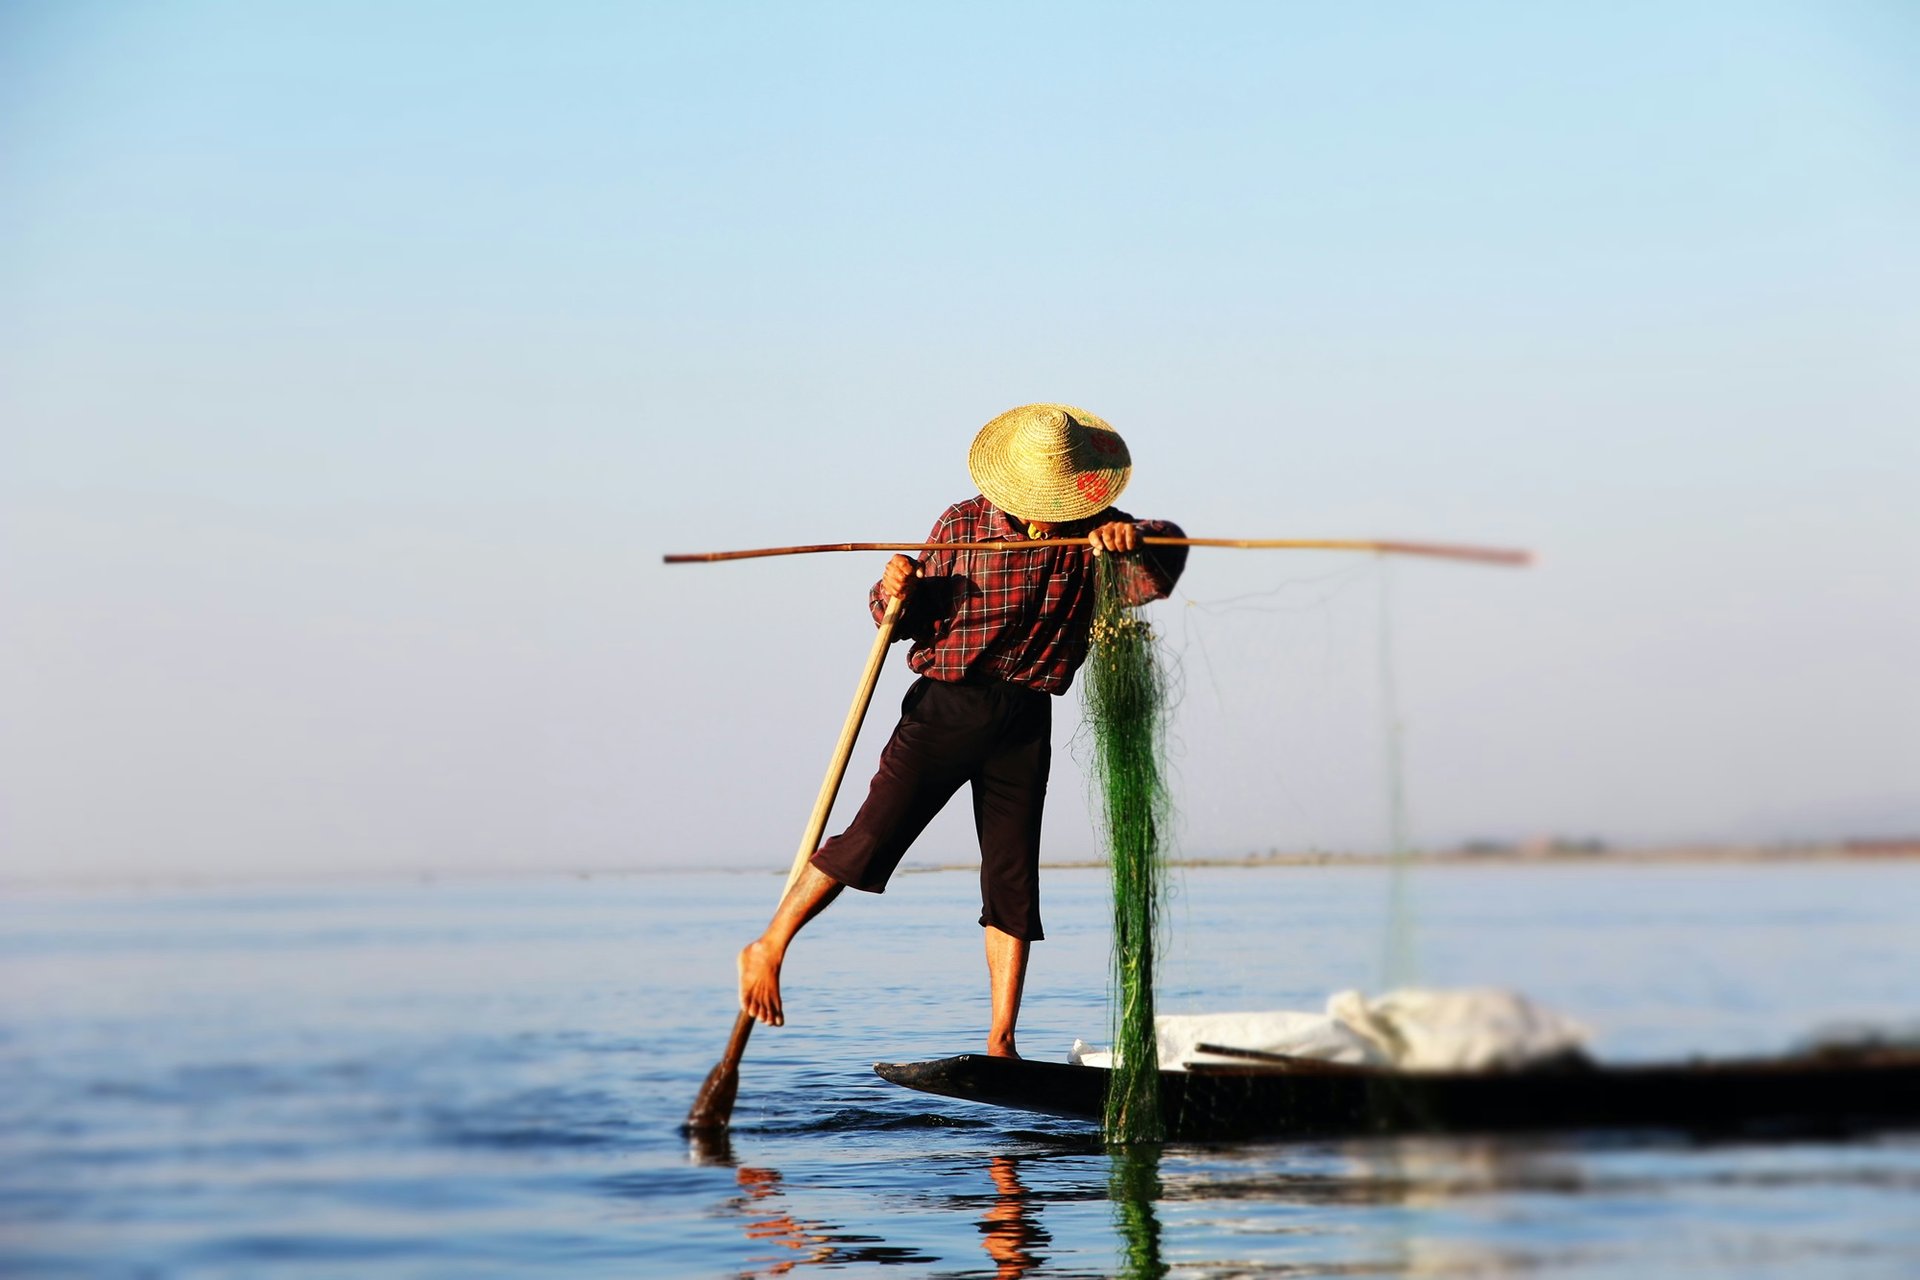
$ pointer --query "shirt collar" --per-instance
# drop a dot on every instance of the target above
(1006, 525)
(1016, 530)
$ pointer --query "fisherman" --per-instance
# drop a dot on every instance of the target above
(995, 636)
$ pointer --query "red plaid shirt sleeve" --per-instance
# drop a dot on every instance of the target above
(1020, 616)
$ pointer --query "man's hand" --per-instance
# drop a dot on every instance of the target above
(1120, 535)
(897, 579)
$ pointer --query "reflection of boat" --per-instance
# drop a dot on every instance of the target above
(1269, 1096)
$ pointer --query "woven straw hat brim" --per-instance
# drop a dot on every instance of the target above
(1050, 462)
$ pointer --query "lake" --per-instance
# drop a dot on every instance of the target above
(486, 1078)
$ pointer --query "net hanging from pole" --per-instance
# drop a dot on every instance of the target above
(1125, 698)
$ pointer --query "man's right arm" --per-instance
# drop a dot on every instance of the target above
(903, 575)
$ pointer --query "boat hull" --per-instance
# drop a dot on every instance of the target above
(1761, 1097)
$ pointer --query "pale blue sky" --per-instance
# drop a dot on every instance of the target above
(357, 363)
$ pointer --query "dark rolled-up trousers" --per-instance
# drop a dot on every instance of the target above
(995, 736)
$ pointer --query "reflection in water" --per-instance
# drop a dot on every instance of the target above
(1423, 1172)
(1433, 1207)
(1010, 1229)
(1418, 1175)
(1411, 1172)
(710, 1147)
(763, 1203)
(1133, 1185)
(1432, 1173)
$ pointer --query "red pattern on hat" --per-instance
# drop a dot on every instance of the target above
(1093, 486)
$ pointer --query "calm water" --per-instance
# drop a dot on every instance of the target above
(486, 1078)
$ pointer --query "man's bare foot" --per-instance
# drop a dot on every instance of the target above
(1001, 1047)
(760, 983)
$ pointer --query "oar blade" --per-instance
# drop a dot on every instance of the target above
(713, 1109)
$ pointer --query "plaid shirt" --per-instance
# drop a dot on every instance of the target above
(1019, 616)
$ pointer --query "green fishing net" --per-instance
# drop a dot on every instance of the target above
(1125, 692)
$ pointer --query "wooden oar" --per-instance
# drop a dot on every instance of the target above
(713, 1109)
(1440, 550)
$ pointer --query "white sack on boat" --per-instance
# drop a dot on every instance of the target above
(1297, 1035)
(1470, 1029)
(1418, 1029)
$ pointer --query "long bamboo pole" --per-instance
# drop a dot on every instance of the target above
(1440, 550)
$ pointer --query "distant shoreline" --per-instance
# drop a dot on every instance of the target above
(1852, 852)
(1847, 852)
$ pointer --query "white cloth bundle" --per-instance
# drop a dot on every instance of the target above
(1471, 1029)
(1415, 1029)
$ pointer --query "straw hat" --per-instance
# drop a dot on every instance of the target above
(1049, 462)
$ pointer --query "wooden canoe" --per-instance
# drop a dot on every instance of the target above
(1822, 1095)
